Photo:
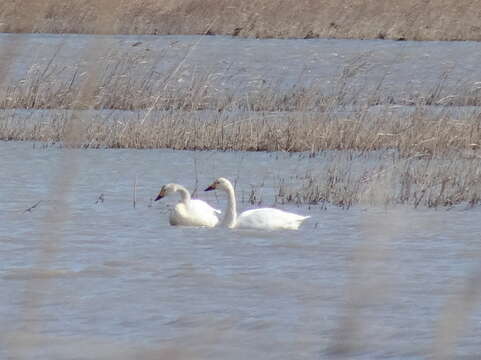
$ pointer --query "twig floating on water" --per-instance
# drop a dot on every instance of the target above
(134, 199)
(100, 198)
(32, 207)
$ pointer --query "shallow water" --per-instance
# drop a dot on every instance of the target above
(397, 68)
(104, 280)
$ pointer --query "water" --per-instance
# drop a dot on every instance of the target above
(399, 69)
(87, 280)
(83, 278)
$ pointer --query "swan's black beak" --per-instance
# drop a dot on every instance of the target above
(210, 188)
(160, 196)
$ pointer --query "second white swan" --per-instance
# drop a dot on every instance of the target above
(189, 212)
(260, 219)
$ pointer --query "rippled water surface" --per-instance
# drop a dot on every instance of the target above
(391, 67)
(86, 279)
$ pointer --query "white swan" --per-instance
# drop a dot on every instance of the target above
(189, 212)
(261, 219)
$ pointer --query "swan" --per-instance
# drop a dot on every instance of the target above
(189, 212)
(260, 219)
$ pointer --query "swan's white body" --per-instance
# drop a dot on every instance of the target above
(260, 219)
(189, 212)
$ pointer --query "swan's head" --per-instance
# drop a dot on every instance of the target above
(166, 190)
(220, 183)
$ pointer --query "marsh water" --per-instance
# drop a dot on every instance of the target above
(85, 276)
(397, 69)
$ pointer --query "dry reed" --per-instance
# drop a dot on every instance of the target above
(410, 19)
(199, 116)
(421, 159)
(435, 154)
(416, 133)
(49, 230)
(384, 179)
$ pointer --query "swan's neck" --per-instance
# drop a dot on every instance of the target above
(184, 194)
(231, 213)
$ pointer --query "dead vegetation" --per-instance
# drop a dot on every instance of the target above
(429, 158)
(417, 133)
(198, 115)
(346, 179)
(130, 83)
(381, 161)
(386, 159)
(431, 149)
(360, 19)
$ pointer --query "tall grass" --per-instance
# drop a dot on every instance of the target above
(415, 133)
(409, 19)
(419, 159)
(49, 229)
(433, 154)
(198, 115)
(415, 160)
(433, 146)
(383, 178)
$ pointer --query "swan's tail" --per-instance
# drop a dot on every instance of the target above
(298, 222)
(302, 218)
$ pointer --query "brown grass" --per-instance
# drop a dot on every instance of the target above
(420, 159)
(132, 81)
(392, 19)
(418, 133)
(385, 179)
(48, 229)
(198, 116)
(416, 160)
(128, 83)
(433, 155)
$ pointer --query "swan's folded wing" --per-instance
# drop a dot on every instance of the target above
(270, 219)
(201, 205)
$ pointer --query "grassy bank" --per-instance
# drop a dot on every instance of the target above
(359, 19)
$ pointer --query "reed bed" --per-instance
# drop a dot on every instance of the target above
(382, 179)
(361, 19)
(196, 114)
(433, 145)
(420, 159)
(378, 161)
(132, 80)
(415, 133)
